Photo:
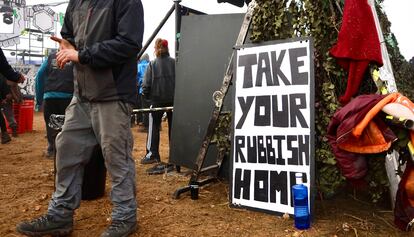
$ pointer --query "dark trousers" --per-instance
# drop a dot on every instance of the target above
(145, 116)
(53, 106)
(8, 114)
(2, 123)
(153, 136)
(139, 116)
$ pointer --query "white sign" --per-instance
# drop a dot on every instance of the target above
(12, 22)
(273, 141)
(15, 17)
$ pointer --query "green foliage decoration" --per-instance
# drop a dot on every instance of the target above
(282, 19)
(221, 136)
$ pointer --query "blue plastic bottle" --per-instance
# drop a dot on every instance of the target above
(301, 206)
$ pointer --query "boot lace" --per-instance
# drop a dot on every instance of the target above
(116, 226)
(41, 221)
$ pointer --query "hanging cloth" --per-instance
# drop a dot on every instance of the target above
(358, 44)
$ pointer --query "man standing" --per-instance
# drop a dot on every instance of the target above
(102, 39)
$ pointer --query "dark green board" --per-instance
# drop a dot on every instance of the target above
(205, 49)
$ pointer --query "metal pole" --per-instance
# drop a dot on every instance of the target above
(386, 71)
(43, 44)
(151, 38)
(30, 41)
(150, 110)
(177, 27)
(16, 55)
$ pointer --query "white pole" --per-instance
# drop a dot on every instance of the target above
(386, 73)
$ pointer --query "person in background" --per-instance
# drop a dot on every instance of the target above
(143, 103)
(102, 39)
(54, 90)
(7, 106)
(158, 88)
(5, 96)
(7, 71)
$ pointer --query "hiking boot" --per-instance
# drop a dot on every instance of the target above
(160, 168)
(149, 160)
(45, 225)
(120, 229)
(5, 137)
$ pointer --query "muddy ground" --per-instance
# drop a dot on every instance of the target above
(26, 184)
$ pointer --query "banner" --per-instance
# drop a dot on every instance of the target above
(273, 124)
(29, 71)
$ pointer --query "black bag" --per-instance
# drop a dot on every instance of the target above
(94, 176)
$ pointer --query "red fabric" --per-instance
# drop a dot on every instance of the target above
(353, 166)
(358, 44)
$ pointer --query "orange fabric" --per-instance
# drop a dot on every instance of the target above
(412, 137)
(357, 131)
(368, 138)
(409, 187)
(370, 141)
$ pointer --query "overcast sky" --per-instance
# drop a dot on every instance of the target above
(400, 13)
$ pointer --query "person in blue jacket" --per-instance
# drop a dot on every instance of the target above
(141, 101)
(54, 90)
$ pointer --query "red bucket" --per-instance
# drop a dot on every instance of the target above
(23, 114)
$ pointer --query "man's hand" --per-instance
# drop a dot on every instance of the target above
(67, 52)
(63, 44)
(66, 55)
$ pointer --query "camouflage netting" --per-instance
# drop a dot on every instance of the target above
(282, 19)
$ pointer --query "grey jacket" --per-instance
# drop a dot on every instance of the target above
(108, 35)
(159, 81)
